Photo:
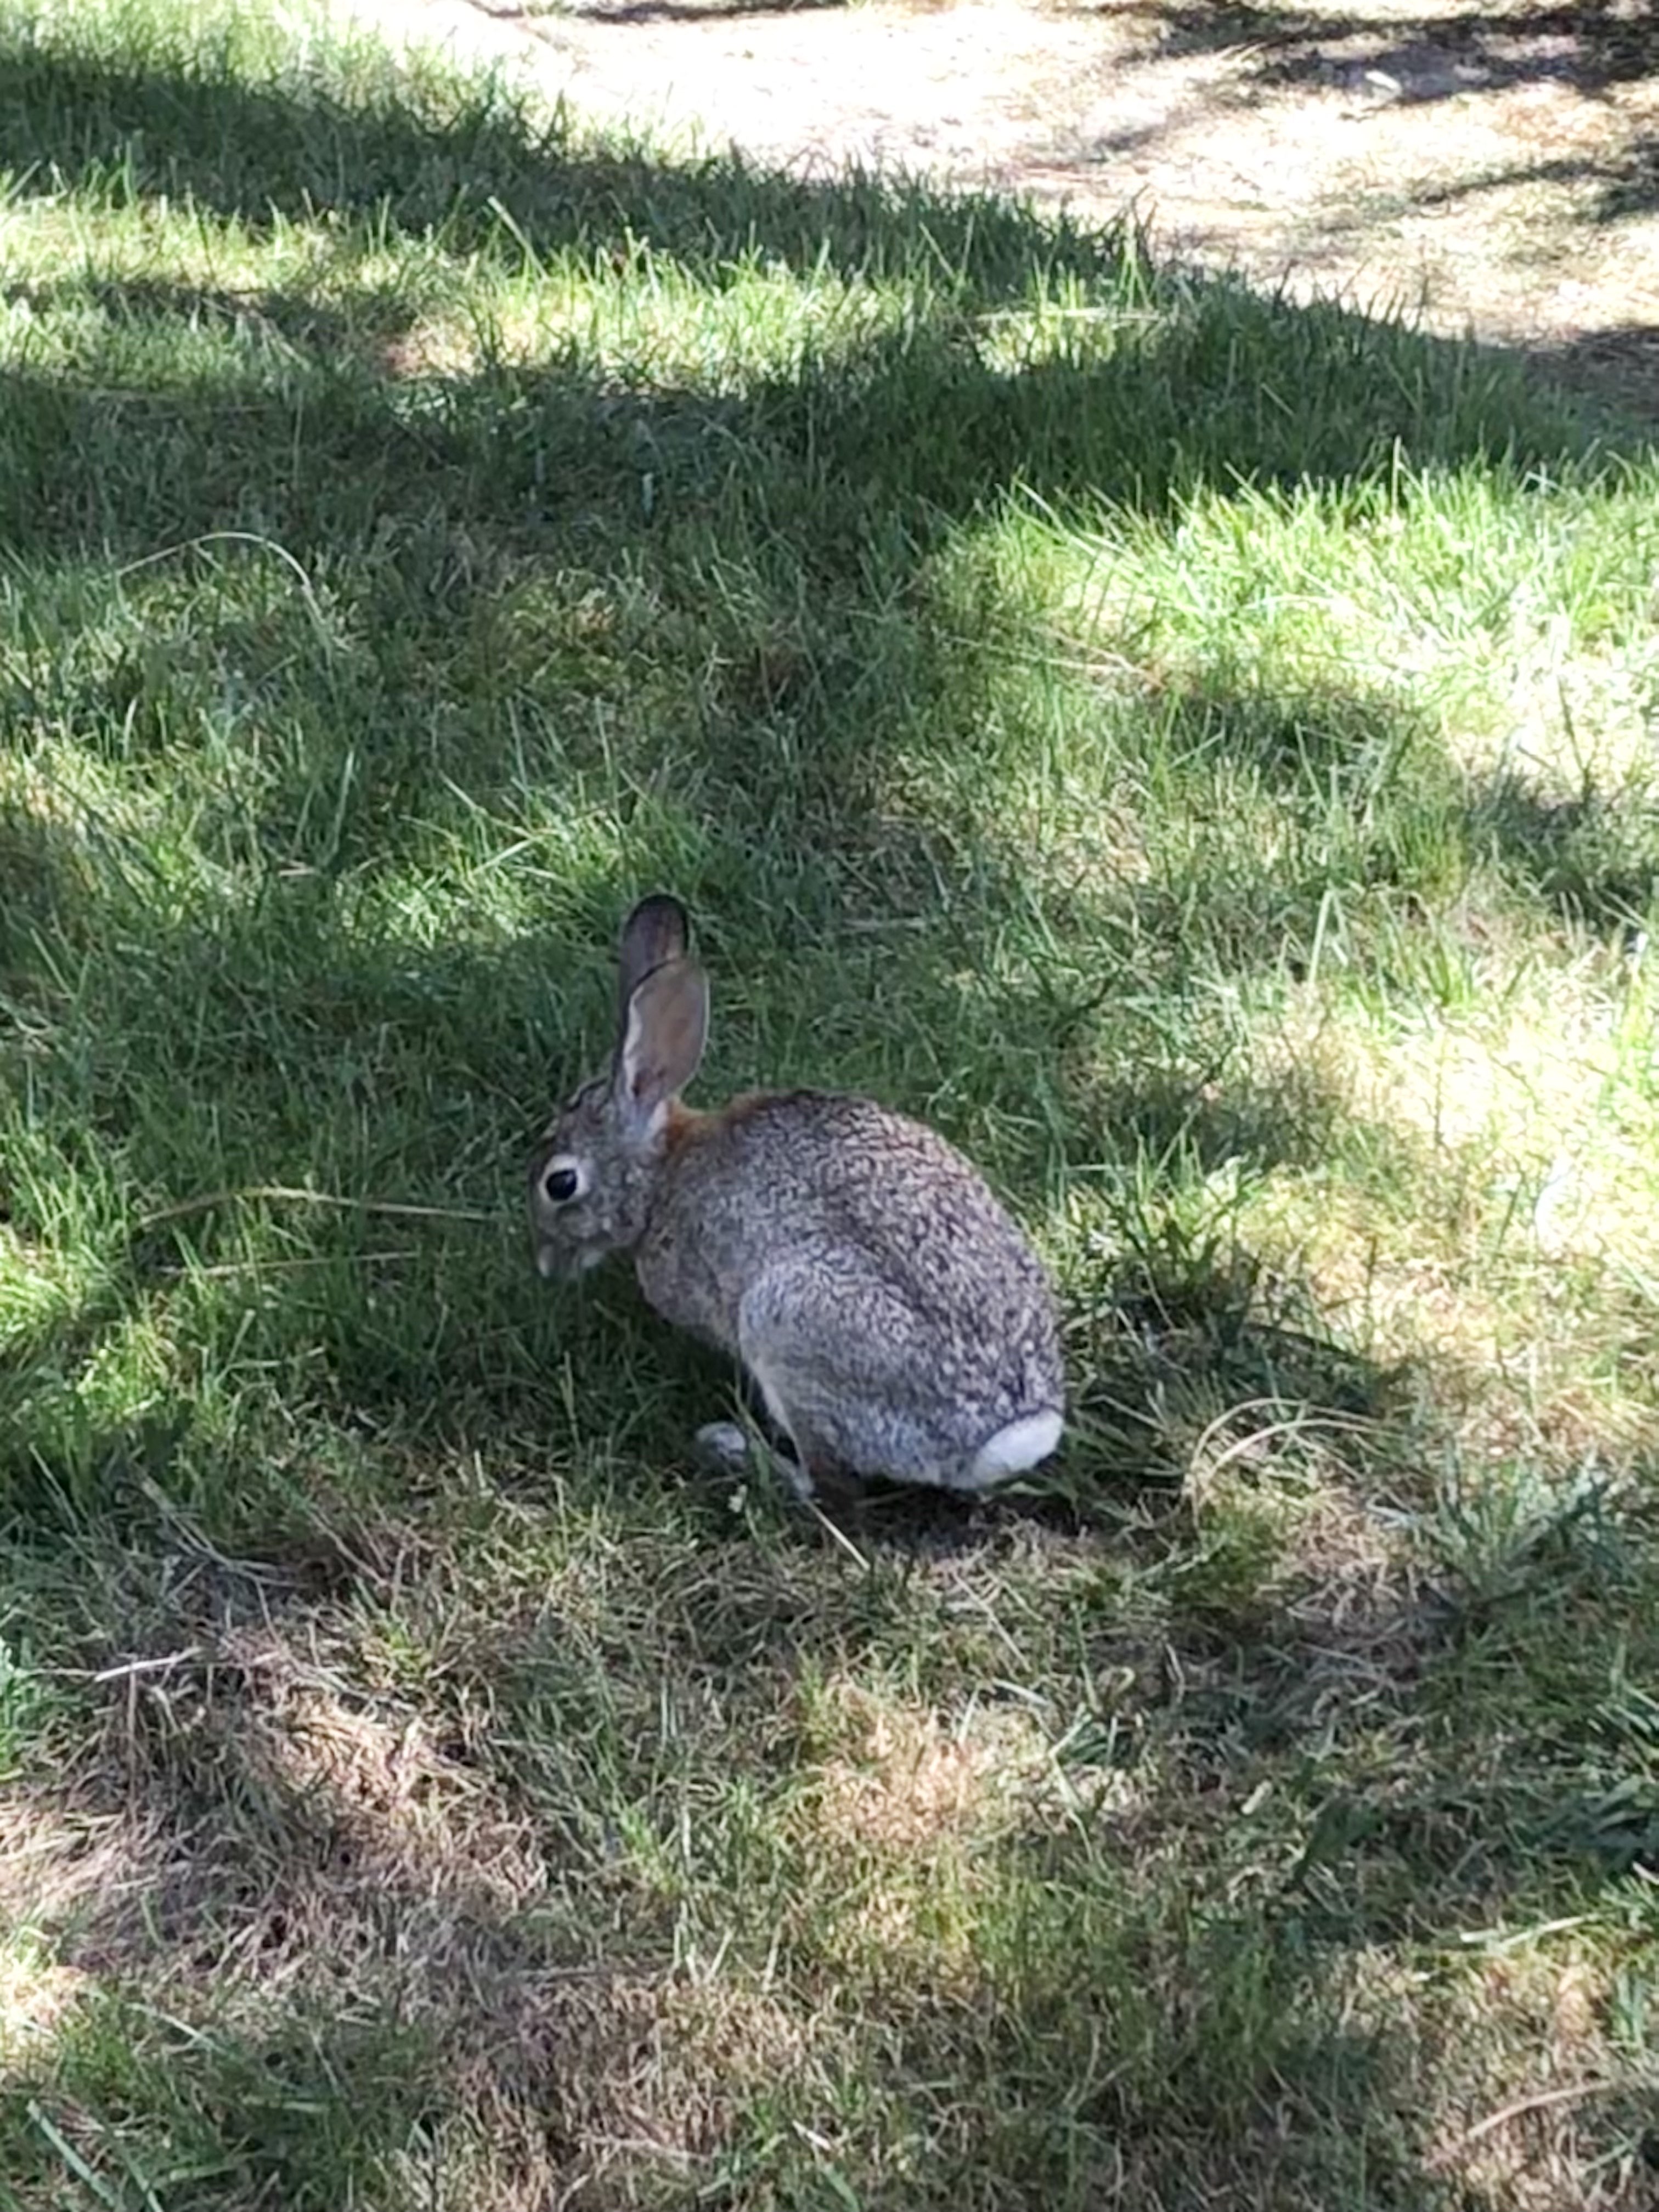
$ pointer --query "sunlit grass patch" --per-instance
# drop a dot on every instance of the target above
(1455, 952)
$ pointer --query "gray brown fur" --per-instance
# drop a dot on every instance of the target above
(891, 1311)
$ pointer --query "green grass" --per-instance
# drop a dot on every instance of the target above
(1196, 750)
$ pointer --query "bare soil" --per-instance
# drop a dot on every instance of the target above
(1492, 170)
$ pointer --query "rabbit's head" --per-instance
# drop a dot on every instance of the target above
(593, 1173)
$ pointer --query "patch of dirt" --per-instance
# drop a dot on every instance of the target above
(1492, 169)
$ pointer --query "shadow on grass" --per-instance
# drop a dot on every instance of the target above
(345, 1876)
(296, 1043)
(403, 1969)
(423, 1820)
(258, 154)
(481, 180)
(478, 180)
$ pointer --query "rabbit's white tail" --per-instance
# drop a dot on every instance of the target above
(1011, 1450)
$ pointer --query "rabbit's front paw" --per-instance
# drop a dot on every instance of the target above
(730, 1450)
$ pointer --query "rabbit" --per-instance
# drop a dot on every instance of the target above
(895, 1321)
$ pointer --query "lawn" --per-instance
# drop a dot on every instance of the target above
(1198, 751)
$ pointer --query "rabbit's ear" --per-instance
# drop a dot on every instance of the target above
(656, 932)
(666, 1029)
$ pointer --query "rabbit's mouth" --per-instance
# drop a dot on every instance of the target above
(562, 1263)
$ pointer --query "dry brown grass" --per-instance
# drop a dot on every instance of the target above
(256, 1838)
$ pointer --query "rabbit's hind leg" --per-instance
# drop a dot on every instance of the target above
(844, 1377)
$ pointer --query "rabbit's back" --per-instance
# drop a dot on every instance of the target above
(891, 1241)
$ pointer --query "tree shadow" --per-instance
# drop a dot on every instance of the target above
(308, 1021)
(489, 177)
(1594, 47)
(1596, 50)
(1197, 402)
(309, 1947)
(490, 180)
(320, 1924)
(1613, 358)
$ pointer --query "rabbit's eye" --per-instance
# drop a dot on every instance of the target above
(562, 1183)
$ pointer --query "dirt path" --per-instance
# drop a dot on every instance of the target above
(1494, 169)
